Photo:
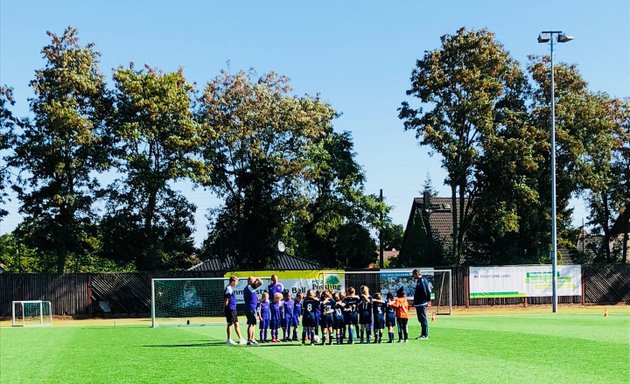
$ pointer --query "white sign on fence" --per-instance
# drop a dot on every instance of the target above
(524, 281)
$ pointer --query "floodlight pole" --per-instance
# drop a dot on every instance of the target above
(544, 37)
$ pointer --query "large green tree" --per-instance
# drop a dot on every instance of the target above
(60, 150)
(468, 90)
(7, 124)
(148, 223)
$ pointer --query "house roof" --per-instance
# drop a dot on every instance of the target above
(440, 213)
(282, 262)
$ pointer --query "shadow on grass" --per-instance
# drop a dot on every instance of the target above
(222, 344)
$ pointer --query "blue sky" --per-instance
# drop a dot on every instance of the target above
(357, 54)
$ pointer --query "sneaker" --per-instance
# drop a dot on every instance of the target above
(249, 342)
(231, 342)
(419, 337)
(389, 341)
(400, 341)
(242, 341)
(424, 337)
(406, 341)
(254, 341)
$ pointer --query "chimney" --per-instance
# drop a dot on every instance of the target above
(426, 199)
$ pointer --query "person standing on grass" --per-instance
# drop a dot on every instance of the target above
(275, 286)
(251, 302)
(230, 311)
(422, 300)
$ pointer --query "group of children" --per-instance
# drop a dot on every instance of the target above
(337, 315)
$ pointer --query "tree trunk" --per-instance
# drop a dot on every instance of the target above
(455, 229)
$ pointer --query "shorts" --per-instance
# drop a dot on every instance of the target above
(365, 318)
(390, 321)
(352, 319)
(379, 322)
(309, 322)
(274, 323)
(264, 323)
(283, 322)
(327, 321)
(251, 316)
(295, 321)
(230, 316)
(339, 323)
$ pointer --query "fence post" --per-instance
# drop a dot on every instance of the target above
(466, 287)
(583, 290)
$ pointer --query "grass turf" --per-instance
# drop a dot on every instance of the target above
(561, 348)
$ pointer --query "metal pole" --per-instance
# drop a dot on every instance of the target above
(554, 245)
(380, 236)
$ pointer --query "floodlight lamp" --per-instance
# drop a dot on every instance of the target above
(562, 38)
(544, 38)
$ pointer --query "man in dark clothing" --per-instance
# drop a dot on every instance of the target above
(422, 300)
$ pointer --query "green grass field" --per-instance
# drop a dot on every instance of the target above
(521, 348)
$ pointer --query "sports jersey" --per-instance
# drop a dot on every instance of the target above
(327, 318)
(351, 303)
(276, 310)
(288, 309)
(365, 310)
(275, 288)
(264, 310)
(250, 298)
(378, 309)
(229, 293)
(402, 307)
(309, 307)
(297, 310)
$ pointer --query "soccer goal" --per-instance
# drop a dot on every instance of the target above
(31, 313)
(193, 301)
(390, 280)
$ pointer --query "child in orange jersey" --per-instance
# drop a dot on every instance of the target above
(402, 314)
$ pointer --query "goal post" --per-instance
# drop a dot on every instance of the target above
(192, 301)
(31, 313)
(390, 280)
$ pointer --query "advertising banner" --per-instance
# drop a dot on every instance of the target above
(394, 279)
(524, 281)
(293, 281)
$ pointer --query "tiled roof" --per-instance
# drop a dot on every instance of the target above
(440, 216)
(283, 262)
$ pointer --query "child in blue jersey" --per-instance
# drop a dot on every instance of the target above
(327, 309)
(276, 315)
(351, 315)
(318, 312)
(365, 313)
(309, 321)
(287, 320)
(338, 323)
(390, 316)
(264, 315)
(297, 311)
(378, 309)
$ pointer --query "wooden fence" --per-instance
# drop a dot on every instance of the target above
(129, 294)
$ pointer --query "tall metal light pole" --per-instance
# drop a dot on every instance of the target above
(547, 37)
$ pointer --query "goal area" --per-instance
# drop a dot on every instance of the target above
(31, 313)
(193, 301)
(390, 280)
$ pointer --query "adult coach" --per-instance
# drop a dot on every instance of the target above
(251, 302)
(274, 287)
(422, 300)
(230, 311)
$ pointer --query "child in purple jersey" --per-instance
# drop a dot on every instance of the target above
(287, 322)
(318, 312)
(276, 315)
(264, 315)
(297, 311)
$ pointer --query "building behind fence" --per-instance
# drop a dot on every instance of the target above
(129, 294)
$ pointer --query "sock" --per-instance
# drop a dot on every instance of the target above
(369, 334)
(312, 334)
(391, 335)
(351, 333)
(405, 335)
(295, 333)
(400, 334)
(361, 333)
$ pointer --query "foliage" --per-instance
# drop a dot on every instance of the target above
(7, 125)
(60, 150)
(472, 88)
(155, 138)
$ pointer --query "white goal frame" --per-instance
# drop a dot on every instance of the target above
(425, 271)
(202, 320)
(16, 321)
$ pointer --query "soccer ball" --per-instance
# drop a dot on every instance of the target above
(316, 339)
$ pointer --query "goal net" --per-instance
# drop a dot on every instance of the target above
(31, 313)
(390, 280)
(193, 301)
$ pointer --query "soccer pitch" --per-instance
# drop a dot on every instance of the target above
(521, 348)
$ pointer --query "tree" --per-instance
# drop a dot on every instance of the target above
(7, 124)
(62, 147)
(156, 136)
(470, 87)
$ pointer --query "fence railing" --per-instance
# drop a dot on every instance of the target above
(129, 294)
